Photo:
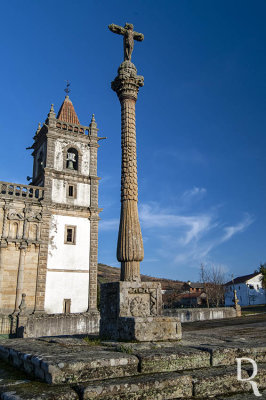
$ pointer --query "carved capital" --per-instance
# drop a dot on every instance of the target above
(127, 83)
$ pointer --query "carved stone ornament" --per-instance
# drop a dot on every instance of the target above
(34, 217)
(14, 215)
(153, 297)
(23, 306)
(139, 307)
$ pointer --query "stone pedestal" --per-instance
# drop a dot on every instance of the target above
(133, 311)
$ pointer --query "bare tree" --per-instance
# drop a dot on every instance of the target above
(213, 279)
(203, 279)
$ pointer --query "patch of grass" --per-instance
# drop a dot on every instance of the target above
(92, 341)
(125, 349)
(4, 336)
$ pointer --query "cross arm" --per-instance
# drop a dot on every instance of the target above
(138, 36)
(117, 29)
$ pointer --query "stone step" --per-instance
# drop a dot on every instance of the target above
(74, 360)
(218, 383)
(37, 391)
(15, 385)
(68, 361)
(194, 384)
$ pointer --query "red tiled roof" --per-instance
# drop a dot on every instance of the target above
(67, 112)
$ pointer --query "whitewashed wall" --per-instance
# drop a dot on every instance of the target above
(68, 258)
(245, 294)
(66, 285)
(59, 187)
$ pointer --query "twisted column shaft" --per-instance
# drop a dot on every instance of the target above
(129, 246)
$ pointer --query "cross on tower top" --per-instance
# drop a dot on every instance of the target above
(67, 90)
(129, 36)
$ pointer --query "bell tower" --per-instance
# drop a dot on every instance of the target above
(65, 164)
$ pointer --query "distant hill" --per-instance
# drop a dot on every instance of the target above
(112, 274)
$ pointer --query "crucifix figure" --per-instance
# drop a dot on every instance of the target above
(129, 36)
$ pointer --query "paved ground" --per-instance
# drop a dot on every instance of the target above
(222, 323)
(204, 361)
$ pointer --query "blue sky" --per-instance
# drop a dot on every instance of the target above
(201, 118)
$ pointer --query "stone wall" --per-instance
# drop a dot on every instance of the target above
(21, 217)
(200, 314)
(58, 324)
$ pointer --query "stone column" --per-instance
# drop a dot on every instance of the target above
(4, 229)
(3, 245)
(94, 218)
(129, 246)
(42, 264)
(20, 278)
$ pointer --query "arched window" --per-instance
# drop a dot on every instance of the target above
(33, 232)
(13, 230)
(72, 159)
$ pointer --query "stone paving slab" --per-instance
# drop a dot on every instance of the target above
(242, 396)
(55, 363)
(172, 359)
(37, 391)
(195, 384)
(15, 385)
(251, 334)
(226, 355)
(146, 387)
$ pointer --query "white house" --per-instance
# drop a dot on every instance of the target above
(248, 288)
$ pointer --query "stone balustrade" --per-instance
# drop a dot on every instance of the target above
(72, 127)
(15, 190)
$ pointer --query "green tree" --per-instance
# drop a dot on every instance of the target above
(263, 271)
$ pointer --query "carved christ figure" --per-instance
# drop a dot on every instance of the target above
(129, 37)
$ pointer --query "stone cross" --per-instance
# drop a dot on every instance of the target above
(126, 85)
(131, 309)
(129, 37)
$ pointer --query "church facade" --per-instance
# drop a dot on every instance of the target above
(49, 228)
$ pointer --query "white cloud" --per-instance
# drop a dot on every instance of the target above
(230, 231)
(195, 192)
(181, 238)
(187, 239)
(109, 224)
(191, 226)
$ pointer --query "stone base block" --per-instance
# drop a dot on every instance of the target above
(132, 311)
(146, 329)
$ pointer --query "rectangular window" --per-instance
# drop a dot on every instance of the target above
(70, 234)
(71, 191)
(66, 306)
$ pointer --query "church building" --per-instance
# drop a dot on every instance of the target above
(49, 228)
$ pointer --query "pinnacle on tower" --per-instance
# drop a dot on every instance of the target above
(51, 112)
(93, 123)
(67, 112)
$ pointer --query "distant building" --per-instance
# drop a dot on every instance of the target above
(248, 288)
(193, 287)
(192, 299)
